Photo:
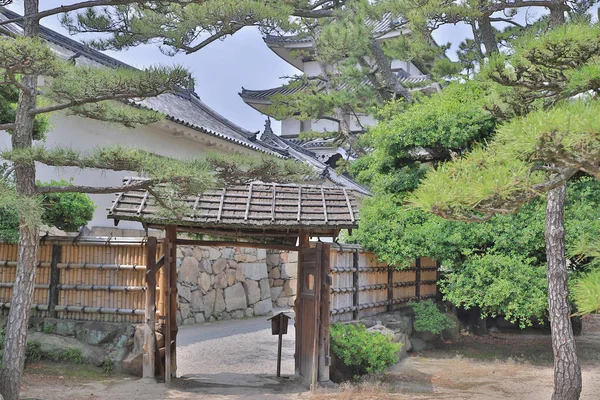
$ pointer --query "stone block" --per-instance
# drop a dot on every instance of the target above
(189, 321)
(289, 270)
(265, 292)
(197, 253)
(278, 282)
(273, 259)
(65, 328)
(263, 307)
(228, 252)
(249, 312)
(204, 266)
(291, 301)
(231, 276)
(261, 254)
(275, 292)
(235, 297)
(214, 253)
(197, 302)
(250, 258)
(418, 344)
(232, 264)
(219, 266)
(275, 272)
(185, 250)
(221, 280)
(219, 301)
(239, 275)
(184, 309)
(292, 256)
(184, 292)
(271, 281)
(200, 318)
(289, 287)
(255, 271)
(204, 282)
(282, 302)
(237, 314)
(209, 302)
(189, 270)
(252, 291)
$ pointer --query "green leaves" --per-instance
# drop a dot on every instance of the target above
(364, 352)
(511, 170)
(428, 317)
(586, 293)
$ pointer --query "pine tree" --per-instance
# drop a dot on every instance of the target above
(101, 94)
(548, 85)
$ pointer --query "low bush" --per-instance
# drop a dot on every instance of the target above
(428, 317)
(364, 352)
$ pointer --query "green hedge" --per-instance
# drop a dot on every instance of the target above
(365, 352)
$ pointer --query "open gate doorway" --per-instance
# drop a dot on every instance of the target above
(271, 216)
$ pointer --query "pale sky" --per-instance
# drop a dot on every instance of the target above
(223, 67)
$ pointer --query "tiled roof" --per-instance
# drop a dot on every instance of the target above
(387, 23)
(184, 107)
(248, 94)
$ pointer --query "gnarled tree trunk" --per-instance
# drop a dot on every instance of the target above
(13, 360)
(567, 373)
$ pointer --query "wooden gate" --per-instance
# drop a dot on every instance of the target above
(312, 322)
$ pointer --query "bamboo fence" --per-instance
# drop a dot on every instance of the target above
(92, 279)
(363, 286)
(103, 279)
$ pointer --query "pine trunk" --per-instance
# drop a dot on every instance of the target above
(487, 35)
(567, 373)
(15, 340)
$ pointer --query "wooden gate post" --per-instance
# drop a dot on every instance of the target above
(54, 291)
(355, 287)
(150, 311)
(303, 243)
(418, 278)
(326, 281)
(170, 250)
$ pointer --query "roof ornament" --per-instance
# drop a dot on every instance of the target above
(268, 131)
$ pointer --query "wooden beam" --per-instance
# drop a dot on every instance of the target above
(168, 329)
(171, 235)
(219, 243)
(326, 281)
(303, 243)
(54, 289)
(149, 348)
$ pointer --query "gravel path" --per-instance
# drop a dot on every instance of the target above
(236, 346)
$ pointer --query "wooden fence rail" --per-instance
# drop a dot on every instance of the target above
(363, 286)
(100, 279)
(94, 279)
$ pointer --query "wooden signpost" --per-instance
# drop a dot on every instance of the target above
(279, 326)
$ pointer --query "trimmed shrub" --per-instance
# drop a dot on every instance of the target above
(428, 317)
(364, 352)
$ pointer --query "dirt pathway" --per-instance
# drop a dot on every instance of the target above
(494, 367)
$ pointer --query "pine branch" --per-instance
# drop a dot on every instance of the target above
(6, 127)
(78, 6)
(93, 189)
(90, 100)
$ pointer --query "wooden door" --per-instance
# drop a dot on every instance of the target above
(312, 321)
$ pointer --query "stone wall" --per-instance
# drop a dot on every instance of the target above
(221, 283)
(283, 272)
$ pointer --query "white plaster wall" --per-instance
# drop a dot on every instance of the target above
(323, 125)
(312, 68)
(82, 134)
(290, 126)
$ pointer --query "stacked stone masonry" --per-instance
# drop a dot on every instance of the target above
(283, 273)
(222, 283)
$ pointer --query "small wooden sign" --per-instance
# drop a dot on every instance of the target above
(279, 324)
